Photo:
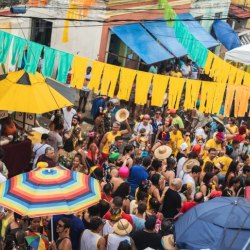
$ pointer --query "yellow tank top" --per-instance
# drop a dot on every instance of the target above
(110, 140)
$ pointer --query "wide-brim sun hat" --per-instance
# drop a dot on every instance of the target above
(188, 165)
(219, 119)
(162, 152)
(122, 115)
(167, 242)
(122, 227)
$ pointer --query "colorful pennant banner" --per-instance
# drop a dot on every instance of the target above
(231, 83)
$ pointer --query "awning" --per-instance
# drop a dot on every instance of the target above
(226, 35)
(166, 36)
(241, 54)
(142, 43)
(198, 31)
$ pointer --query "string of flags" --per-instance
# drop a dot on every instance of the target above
(230, 83)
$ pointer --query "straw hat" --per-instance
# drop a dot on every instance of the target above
(219, 118)
(122, 227)
(167, 242)
(162, 152)
(121, 115)
(188, 165)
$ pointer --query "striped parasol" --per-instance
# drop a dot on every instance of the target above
(49, 191)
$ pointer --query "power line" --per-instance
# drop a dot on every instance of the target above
(124, 20)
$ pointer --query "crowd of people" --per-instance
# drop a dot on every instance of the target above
(151, 169)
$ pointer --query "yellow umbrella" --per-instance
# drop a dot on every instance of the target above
(23, 92)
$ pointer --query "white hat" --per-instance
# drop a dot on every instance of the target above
(183, 146)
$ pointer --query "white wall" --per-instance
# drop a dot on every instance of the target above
(208, 9)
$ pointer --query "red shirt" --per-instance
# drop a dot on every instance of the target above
(187, 205)
(105, 197)
(107, 216)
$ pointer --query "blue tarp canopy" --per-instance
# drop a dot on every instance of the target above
(226, 35)
(166, 36)
(136, 37)
(198, 31)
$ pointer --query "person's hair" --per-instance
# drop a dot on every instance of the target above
(68, 145)
(122, 191)
(141, 195)
(17, 216)
(118, 124)
(227, 192)
(79, 156)
(58, 126)
(117, 201)
(97, 174)
(232, 119)
(48, 149)
(235, 142)
(66, 222)
(150, 222)
(208, 125)
(107, 188)
(118, 138)
(155, 179)
(1, 153)
(167, 227)
(198, 197)
(124, 245)
(209, 166)
(137, 160)
(212, 150)
(176, 126)
(220, 128)
(95, 222)
(127, 149)
(171, 163)
(104, 207)
(207, 177)
(94, 210)
(44, 137)
(142, 207)
(196, 169)
(231, 169)
(233, 181)
(156, 164)
(247, 181)
(154, 204)
(229, 150)
(192, 155)
(146, 161)
(246, 169)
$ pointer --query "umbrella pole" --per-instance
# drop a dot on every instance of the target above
(52, 229)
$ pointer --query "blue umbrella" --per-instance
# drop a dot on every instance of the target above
(219, 224)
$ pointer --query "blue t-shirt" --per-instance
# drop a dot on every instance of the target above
(76, 228)
(139, 223)
(137, 174)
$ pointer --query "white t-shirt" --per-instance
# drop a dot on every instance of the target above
(180, 165)
(140, 125)
(199, 132)
(39, 149)
(68, 115)
(185, 70)
(86, 83)
(189, 179)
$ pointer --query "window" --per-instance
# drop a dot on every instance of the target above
(218, 15)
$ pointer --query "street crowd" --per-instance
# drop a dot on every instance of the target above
(152, 164)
